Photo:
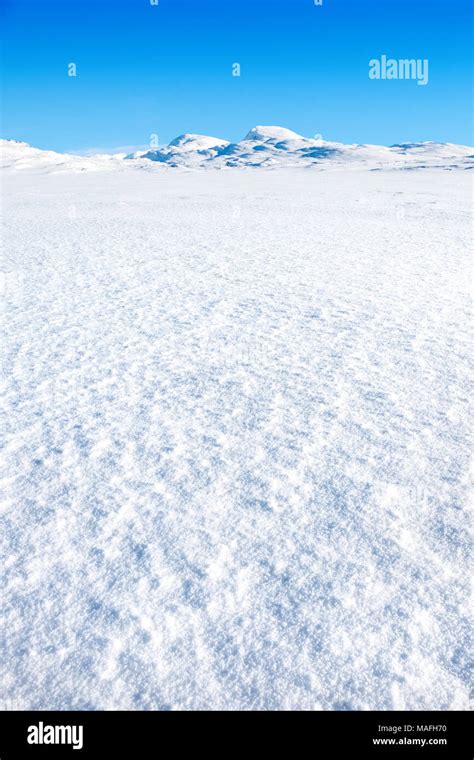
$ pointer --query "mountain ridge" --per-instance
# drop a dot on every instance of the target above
(262, 147)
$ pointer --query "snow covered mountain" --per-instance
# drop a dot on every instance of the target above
(185, 150)
(269, 146)
(262, 147)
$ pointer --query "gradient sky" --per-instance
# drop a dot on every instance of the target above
(167, 69)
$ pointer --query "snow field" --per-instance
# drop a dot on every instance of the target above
(236, 440)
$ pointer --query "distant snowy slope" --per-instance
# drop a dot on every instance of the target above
(197, 142)
(262, 147)
(272, 134)
(276, 146)
(19, 155)
(187, 149)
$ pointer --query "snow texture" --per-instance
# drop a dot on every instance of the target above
(236, 437)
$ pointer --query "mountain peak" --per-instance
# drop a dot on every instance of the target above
(191, 141)
(272, 133)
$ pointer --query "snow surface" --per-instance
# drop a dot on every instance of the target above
(236, 439)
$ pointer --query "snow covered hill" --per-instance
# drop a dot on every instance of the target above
(262, 147)
(186, 150)
(15, 154)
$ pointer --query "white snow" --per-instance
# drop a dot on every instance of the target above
(18, 155)
(186, 150)
(197, 142)
(272, 133)
(262, 147)
(236, 438)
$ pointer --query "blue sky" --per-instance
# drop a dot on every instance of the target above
(167, 69)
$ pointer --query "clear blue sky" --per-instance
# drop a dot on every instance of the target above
(167, 69)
